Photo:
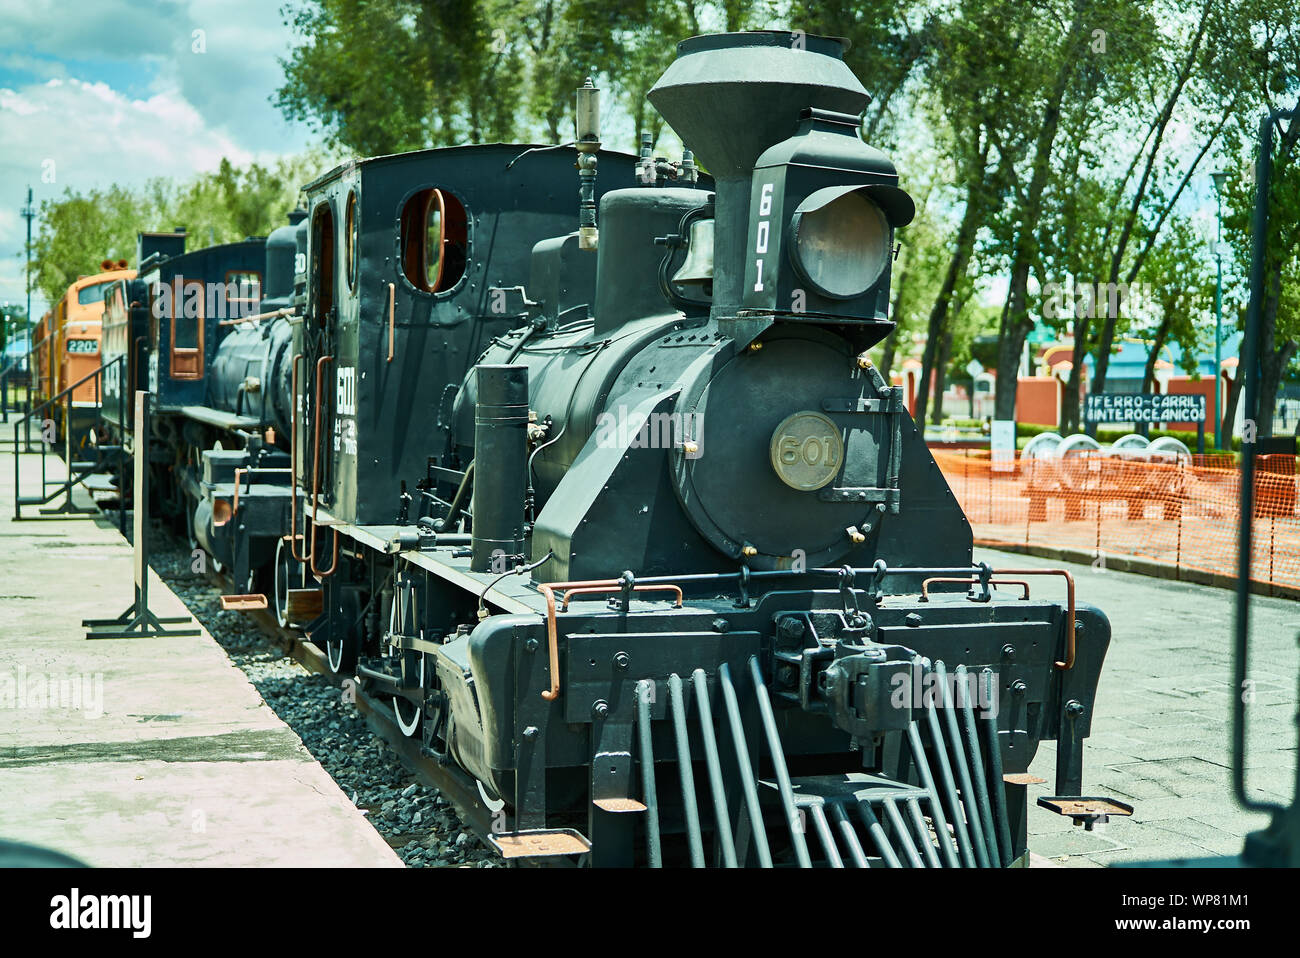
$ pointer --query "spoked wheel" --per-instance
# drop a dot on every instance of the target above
(289, 574)
(407, 713)
(342, 655)
(342, 639)
(190, 537)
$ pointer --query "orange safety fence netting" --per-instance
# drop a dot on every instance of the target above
(1176, 512)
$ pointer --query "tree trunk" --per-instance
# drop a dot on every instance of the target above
(1157, 344)
(1016, 324)
(1070, 408)
(1273, 359)
(939, 312)
(1131, 220)
(1271, 369)
(941, 376)
(970, 223)
(1009, 348)
(1230, 409)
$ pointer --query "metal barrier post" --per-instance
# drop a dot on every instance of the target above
(137, 622)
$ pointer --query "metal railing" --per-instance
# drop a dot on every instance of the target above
(77, 471)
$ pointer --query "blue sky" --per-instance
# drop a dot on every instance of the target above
(94, 92)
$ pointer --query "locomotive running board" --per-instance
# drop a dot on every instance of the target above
(243, 603)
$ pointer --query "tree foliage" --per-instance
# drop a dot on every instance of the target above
(1053, 143)
(80, 229)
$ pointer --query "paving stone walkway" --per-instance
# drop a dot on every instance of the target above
(1161, 735)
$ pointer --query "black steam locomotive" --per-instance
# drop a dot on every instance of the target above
(609, 499)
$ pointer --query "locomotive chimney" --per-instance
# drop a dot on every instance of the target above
(730, 96)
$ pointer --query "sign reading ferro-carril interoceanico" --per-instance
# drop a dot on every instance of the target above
(1144, 407)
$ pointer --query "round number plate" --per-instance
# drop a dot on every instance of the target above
(807, 451)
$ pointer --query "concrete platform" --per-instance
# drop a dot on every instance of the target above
(1161, 736)
(142, 751)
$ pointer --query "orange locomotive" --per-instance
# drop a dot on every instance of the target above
(66, 350)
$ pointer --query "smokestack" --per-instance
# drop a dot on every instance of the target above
(730, 96)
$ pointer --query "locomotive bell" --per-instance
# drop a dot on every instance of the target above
(698, 267)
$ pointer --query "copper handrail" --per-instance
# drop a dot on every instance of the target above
(1070, 643)
(587, 590)
(315, 480)
(239, 478)
(925, 586)
(392, 303)
(293, 464)
(574, 588)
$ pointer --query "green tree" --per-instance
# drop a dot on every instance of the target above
(80, 229)
(1197, 82)
(973, 86)
(1181, 293)
(1274, 74)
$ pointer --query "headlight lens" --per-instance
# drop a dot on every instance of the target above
(841, 245)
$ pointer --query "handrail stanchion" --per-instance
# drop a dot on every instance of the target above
(315, 479)
(293, 465)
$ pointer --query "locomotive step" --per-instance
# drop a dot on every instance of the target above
(243, 603)
(543, 843)
(1084, 809)
(619, 805)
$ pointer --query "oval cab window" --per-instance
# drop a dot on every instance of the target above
(435, 236)
(350, 234)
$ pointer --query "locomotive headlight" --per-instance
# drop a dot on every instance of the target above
(841, 242)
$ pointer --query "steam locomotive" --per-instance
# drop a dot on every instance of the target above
(609, 499)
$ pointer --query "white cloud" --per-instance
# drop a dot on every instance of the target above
(115, 94)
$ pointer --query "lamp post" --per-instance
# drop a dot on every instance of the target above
(29, 214)
(1219, 179)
